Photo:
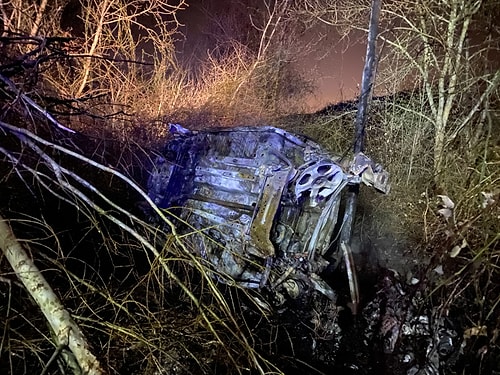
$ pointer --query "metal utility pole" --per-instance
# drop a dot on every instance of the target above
(367, 79)
(359, 138)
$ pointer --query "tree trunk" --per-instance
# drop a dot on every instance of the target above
(439, 139)
(67, 333)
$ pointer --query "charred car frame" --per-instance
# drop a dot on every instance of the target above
(260, 204)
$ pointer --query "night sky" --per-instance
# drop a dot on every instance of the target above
(335, 65)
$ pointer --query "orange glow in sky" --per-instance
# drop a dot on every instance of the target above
(335, 66)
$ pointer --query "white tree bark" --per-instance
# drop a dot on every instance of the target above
(66, 331)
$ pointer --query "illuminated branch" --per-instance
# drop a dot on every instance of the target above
(38, 20)
(67, 333)
(29, 102)
(108, 29)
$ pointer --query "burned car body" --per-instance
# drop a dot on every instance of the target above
(258, 203)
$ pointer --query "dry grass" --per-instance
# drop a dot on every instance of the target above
(406, 226)
(154, 313)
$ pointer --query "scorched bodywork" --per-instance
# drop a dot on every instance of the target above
(258, 203)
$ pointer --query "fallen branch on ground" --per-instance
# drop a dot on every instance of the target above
(66, 331)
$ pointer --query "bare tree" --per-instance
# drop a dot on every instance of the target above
(442, 48)
(32, 17)
(434, 37)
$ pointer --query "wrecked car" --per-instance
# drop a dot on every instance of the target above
(259, 204)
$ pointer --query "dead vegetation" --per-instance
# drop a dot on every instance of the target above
(145, 303)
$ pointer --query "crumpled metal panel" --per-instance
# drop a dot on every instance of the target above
(258, 203)
(371, 174)
(266, 211)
